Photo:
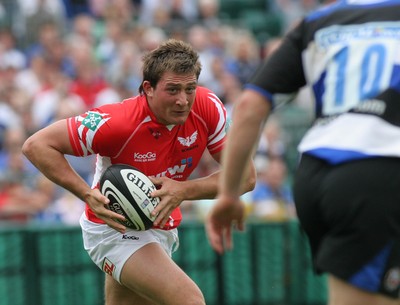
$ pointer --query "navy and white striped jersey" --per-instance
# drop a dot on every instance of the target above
(349, 54)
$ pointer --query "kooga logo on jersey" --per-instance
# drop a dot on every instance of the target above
(146, 157)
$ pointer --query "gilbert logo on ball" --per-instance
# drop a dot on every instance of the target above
(128, 190)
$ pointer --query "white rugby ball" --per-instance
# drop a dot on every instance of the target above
(128, 190)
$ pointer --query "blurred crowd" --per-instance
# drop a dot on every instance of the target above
(59, 58)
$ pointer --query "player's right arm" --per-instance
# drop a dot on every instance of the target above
(46, 149)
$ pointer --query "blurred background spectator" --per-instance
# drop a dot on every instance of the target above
(272, 197)
(59, 58)
(272, 141)
(23, 191)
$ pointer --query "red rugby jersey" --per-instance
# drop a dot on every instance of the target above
(128, 133)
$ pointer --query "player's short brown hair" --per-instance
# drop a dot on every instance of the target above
(171, 56)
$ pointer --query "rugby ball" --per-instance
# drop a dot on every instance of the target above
(128, 190)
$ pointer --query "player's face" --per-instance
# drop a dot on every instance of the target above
(173, 97)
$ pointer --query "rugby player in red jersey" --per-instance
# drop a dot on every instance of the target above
(163, 132)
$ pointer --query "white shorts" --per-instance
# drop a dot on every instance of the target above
(109, 249)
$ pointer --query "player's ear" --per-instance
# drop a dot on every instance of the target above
(148, 89)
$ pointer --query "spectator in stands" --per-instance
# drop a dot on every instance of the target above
(124, 69)
(57, 97)
(10, 55)
(272, 140)
(82, 26)
(21, 102)
(164, 13)
(9, 116)
(10, 17)
(89, 83)
(74, 8)
(272, 197)
(123, 11)
(150, 37)
(208, 13)
(36, 13)
(51, 45)
(230, 88)
(32, 79)
(23, 191)
(244, 56)
(198, 37)
(107, 47)
(64, 209)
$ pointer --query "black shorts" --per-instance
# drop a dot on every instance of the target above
(351, 215)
